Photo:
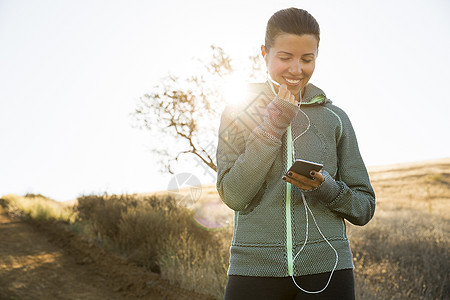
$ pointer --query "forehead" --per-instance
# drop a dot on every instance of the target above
(295, 44)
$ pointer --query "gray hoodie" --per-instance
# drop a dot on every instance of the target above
(269, 227)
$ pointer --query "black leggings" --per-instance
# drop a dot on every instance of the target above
(280, 288)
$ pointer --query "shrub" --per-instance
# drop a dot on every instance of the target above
(161, 235)
(103, 213)
(38, 207)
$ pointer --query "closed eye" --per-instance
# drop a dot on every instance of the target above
(288, 58)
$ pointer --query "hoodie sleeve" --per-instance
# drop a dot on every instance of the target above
(351, 194)
(243, 163)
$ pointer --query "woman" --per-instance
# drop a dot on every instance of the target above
(289, 238)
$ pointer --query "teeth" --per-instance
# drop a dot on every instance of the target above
(292, 81)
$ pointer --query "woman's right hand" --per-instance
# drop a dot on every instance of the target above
(285, 94)
(280, 112)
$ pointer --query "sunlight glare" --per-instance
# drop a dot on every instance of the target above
(234, 88)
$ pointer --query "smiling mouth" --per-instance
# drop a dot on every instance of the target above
(292, 82)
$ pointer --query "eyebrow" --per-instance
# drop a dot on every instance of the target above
(288, 53)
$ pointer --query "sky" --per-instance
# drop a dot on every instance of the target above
(71, 72)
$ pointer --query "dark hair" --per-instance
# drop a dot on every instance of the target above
(291, 20)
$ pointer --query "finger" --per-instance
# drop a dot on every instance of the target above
(297, 183)
(282, 91)
(293, 101)
(298, 177)
(318, 176)
(288, 95)
(303, 180)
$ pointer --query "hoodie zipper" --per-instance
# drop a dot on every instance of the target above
(289, 158)
(288, 205)
(290, 258)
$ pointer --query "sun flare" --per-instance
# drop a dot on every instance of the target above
(234, 88)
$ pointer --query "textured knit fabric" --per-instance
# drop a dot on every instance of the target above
(251, 160)
(278, 115)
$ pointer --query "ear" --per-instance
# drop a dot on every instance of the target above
(264, 53)
(263, 50)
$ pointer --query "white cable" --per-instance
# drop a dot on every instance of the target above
(307, 208)
(307, 220)
(306, 239)
(273, 81)
(300, 102)
(307, 127)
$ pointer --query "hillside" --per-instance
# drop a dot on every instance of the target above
(404, 250)
(402, 253)
(419, 186)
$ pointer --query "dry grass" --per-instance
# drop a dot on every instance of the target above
(159, 233)
(403, 253)
(38, 207)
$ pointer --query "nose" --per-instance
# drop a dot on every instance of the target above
(296, 67)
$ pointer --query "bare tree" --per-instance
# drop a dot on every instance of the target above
(185, 113)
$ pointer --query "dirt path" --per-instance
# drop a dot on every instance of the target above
(48, 262)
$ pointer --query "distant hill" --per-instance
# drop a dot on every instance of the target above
(416, 185)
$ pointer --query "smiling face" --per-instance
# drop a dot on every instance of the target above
(292, 60)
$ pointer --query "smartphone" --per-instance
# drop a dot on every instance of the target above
(304, 167)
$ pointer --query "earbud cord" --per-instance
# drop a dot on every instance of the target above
(271, 82)
(306, 205)
(304, 243)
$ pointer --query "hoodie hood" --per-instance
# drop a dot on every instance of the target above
(314, 95)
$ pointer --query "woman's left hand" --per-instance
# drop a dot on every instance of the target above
(303, 182)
